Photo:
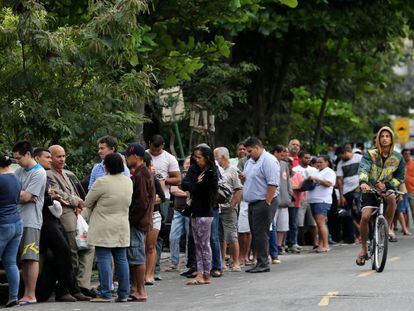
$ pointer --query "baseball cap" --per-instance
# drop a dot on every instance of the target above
(136, 149)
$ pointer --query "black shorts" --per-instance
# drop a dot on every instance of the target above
(370, 199)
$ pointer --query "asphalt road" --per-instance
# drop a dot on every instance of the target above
(301, 282)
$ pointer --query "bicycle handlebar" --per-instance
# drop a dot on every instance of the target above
(390, 191)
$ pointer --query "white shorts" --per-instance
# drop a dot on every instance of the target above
(156, 220)
(282, 219)
(243, 221)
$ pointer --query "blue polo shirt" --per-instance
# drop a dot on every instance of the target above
(99, 171)
(259, 175)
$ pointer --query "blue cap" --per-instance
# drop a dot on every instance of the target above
(136, 149)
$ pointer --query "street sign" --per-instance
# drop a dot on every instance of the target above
(402, 129)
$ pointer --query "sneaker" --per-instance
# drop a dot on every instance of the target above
(281, 250)
(298, 246)
(294, 249)
(276, 261)
(121, 299)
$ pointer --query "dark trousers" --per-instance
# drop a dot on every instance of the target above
(352, 200)
(191, 253)
(260, 218)
(57, 272)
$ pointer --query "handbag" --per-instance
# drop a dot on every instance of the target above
(308, 185)
(82, 229)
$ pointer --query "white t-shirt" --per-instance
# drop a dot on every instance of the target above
(164, 164)
(306, 172)
(322, 194)
(349, 171)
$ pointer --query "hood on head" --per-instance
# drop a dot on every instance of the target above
(377, 140)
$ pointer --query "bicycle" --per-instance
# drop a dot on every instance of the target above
(378, 232)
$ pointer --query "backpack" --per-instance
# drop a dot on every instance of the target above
(224, 192)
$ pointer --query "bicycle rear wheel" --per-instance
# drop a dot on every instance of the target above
(381, 243)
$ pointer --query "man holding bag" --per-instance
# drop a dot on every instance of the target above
(82, 260)
(56, 268)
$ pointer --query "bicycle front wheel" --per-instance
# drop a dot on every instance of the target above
(381, 243)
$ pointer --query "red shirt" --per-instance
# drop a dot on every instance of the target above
(409, 175)
(295, 161)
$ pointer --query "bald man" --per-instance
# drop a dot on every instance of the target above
(294, 148)
(82, 260)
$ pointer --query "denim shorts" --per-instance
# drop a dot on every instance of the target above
(320, 208)
(136, 251)
(403, 205)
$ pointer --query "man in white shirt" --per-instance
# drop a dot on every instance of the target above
(168, 173)
(348, 182)
(304, 211)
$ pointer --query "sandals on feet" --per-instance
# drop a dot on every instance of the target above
(195, 282)
(360, 261)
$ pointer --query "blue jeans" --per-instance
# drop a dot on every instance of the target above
(160, 242)
(273, 250)
(179, 227)
(10, 235)
(293, 226)
(215, 241)
(103, 256)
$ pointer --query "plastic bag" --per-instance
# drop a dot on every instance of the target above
(82, 228)
(56, 209)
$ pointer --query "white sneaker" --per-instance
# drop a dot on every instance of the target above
(276, 261)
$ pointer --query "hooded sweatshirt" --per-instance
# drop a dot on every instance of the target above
(374, 168)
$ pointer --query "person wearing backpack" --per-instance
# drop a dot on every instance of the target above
(228, 209)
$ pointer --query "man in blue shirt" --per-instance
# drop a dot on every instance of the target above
(261, 178)
(106, 145)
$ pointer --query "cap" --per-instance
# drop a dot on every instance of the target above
(136, 149)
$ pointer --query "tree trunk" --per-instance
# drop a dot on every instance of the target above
(322, 111)
(139, 132)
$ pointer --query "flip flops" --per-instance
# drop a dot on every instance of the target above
(27, 302)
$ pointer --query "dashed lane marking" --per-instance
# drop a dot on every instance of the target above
(325, 300)
(367, 273)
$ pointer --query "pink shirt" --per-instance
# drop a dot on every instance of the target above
(296, 181)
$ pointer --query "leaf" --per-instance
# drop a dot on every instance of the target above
(290, 3)
(134, 60)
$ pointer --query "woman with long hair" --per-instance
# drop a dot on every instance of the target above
(152, 235)
(203, 198)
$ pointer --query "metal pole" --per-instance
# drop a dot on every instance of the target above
(180, 143)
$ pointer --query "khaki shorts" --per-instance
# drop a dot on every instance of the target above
(228, 225)
(29, 245)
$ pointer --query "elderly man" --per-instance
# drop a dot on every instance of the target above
(82, 260)
(54, 246)
(228, 215)
(261, 178)
(33, 179)
(294, 148)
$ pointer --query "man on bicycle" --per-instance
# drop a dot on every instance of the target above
(381, 168)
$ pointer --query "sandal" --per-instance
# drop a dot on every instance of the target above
(216, 274)
(195, 282)
(171, 268)
(360, 261)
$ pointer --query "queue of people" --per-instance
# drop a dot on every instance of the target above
(233, 213)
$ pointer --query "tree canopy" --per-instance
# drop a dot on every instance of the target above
(319, 70)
